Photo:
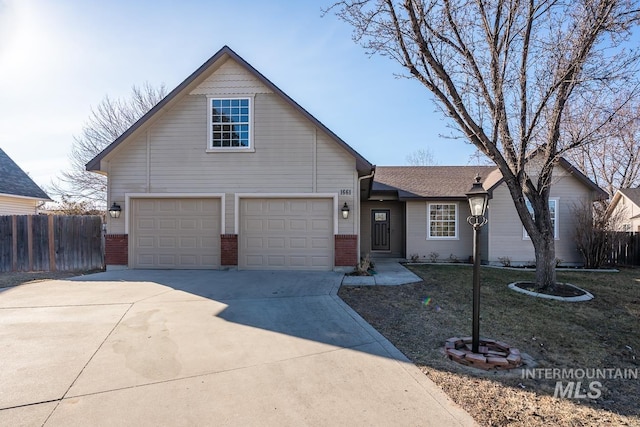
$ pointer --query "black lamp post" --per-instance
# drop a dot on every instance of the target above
(478, 198)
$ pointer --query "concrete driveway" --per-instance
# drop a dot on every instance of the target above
(151, 348)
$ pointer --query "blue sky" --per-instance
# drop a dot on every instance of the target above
(59, 58)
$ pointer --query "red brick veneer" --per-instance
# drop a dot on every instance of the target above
(116, 249)
(346, 250)
(229, 249)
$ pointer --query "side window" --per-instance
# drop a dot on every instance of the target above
(553, 209)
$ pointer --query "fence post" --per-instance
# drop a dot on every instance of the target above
(52, 244)
(14, 243)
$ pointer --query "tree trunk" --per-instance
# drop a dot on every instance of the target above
(545, 263)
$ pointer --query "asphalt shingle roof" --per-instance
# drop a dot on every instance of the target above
(632, 194)
(430, 181)
(14, 181)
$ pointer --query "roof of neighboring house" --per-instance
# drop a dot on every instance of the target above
(632, 194)
(362, 164)
(429, 182)
(15, 182)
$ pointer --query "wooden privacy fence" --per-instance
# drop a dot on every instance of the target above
(50, 243)
(625, 250)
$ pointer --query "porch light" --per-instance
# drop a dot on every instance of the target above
(115, 210)
(478, 198)
(345, 211)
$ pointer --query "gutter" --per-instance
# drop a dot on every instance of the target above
(357, 218)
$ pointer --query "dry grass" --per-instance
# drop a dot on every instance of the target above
(18, 278)
(602, 333)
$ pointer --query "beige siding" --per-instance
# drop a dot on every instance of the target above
(336, 171)
(506, 231)
(418, 243)
(17, 206)
(396, 224)
(291, 155)
(230, 79)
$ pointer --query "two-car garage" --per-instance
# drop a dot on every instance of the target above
(272, 232)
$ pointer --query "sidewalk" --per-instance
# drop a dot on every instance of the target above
(389, 272)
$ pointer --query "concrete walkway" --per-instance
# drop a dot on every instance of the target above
(388, 272)
(188, 348)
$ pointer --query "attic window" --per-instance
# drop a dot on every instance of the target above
(229, 124)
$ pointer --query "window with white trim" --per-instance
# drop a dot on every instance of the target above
(442, 221)
(553, 209)
(229, 123)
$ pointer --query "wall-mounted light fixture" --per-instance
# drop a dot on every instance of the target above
(115, 210)
(345, 211)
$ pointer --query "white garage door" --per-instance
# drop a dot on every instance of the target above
(287, 234)
(175, 233)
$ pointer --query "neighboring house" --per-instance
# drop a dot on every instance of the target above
(19, 195)
(625, 205)
(229, 171)
(421, 211)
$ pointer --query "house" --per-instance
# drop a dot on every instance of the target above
(229, 171)
(626, 206)
(19, 195)
(420, 212)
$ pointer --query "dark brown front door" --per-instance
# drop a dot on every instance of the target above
(380, 230)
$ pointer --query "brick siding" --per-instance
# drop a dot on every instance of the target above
(116, 249)
(229, 249)
(346, 253)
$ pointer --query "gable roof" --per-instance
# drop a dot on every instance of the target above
(632, 194)
(428, 182)
(15, 182)
(362, 165)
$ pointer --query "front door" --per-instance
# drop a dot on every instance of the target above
(380, 230)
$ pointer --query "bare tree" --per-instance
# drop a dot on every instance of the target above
(596, 232)
(507, 72)
(612, 160)
(106, 123)
(421, 157)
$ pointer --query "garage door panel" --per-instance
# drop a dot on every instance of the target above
(286, 234)
(276, 224)
(320, 243)
(175, 233)
(319, 261)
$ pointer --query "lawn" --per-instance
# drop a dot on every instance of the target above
(599, 334)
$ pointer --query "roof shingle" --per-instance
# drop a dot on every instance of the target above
(430, 182)
(14, 181)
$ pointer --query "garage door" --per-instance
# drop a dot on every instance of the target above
(175, 233)
(289, 234)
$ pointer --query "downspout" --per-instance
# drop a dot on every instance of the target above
(357, 216)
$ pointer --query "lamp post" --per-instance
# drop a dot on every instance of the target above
(478, 198)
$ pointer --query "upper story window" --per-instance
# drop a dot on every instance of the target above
(230, 123)
(553, 209)
(443, 221)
